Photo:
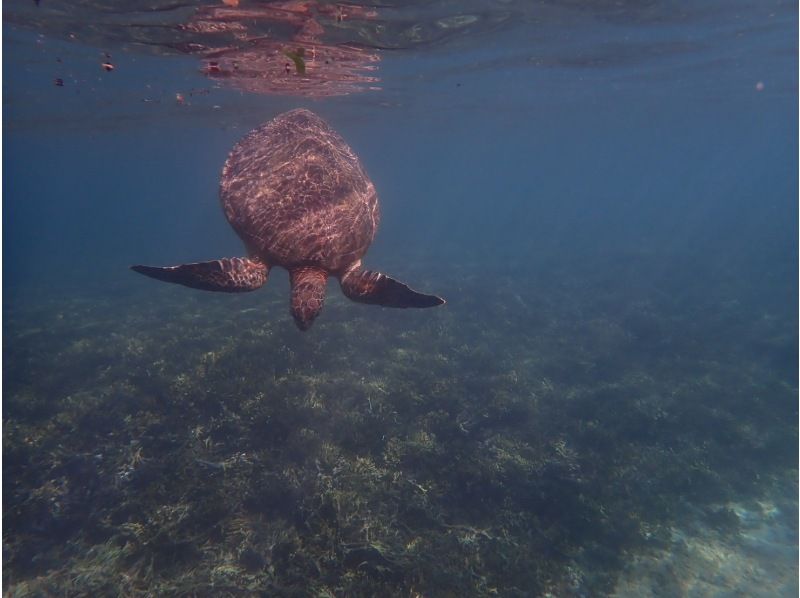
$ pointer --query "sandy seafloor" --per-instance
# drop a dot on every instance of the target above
(164, 441)
(760, 561)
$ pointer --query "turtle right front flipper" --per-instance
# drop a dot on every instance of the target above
(376, 288)
(228, 275)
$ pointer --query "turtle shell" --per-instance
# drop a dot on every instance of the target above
(298, 196)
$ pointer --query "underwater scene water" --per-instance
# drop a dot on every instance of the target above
(604, 193)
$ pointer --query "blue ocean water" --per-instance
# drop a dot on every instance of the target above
(605, 193)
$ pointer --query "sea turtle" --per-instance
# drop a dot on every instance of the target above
(298, 197)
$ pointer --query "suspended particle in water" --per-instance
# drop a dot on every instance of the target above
(760, 86)
(179, 99)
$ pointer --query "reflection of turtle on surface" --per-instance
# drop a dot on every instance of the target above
(247, 47)
(298, 197)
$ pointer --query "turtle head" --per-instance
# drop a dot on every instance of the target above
(308, 294)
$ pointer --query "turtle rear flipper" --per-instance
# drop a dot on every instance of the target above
(228, 275)
(376, 288)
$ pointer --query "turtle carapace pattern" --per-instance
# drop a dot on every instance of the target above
(299, 198)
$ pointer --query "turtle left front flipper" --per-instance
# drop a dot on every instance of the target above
(227, 275)
(376, 288)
